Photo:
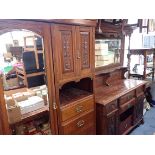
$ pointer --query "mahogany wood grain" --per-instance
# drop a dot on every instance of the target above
(80, 125)
(78, 107)
(119, 102)
(4, 124)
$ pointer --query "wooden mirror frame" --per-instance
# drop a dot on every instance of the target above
(110, 31)
(42, 29)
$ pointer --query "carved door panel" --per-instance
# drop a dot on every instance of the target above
(64, 52)
(112, 126)
(138, 111)
(85, 50)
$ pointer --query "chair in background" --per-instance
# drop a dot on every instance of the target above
(29, 73)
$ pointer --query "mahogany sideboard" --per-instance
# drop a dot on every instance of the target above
(119, 102)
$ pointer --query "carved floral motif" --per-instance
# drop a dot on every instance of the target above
(85, 50)
(67, 51)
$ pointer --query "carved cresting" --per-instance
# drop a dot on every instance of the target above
(67, 50)
(85, 50)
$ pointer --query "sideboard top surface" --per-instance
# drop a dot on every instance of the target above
(116, 90)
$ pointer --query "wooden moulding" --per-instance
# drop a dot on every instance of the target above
(109, 73)
(87, 22)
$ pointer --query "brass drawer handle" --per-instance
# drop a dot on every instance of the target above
(80, 123)
(79, 109)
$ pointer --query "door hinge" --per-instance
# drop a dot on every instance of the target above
(54, 105)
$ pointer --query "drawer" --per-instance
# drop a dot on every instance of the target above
(125, 98)
(126, 124)
(77, 108)
(127, 105)
(139, 91)
(80, 126)
(112, 106)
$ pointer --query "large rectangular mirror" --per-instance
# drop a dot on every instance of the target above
(107, 51)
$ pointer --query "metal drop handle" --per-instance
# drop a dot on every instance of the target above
(79, 109)
(80, 123)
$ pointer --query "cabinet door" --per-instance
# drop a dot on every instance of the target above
(138, 109)
(64, 52)
(85, 50)
(112, 124)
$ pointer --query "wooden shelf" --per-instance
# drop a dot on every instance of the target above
(32, 115)
(142, 74)
(72, 95)
(35, 74)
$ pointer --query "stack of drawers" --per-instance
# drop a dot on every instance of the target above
(78, 117)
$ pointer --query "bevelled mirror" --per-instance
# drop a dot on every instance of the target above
(107, 52)
(24, 82)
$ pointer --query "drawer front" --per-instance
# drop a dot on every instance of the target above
(78, 108)
(81, 126)
(127, 105)
(129, 96)
(139, 90)
(110, 107)
(125, 125)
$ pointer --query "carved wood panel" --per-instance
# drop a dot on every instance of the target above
(85, 49)
(138, 111)
(67, 51)
(112, 124)
(64, 53)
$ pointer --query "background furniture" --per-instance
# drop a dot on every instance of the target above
(28, 72)
(148, 69)
(8, 57)
(35, 44)
(16, 51)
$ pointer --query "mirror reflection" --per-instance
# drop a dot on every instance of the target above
(107, 51)
(25, 89)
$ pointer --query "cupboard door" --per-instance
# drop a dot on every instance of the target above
(85, 50)
(138, 110)
(112, 124)
(64, 52)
